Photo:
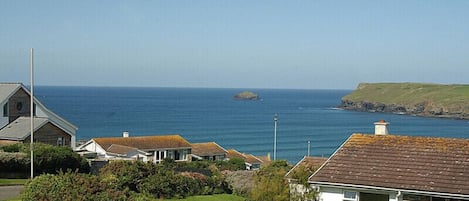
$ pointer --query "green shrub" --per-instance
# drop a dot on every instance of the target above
(14, 162)
(127, 174)
(47, 159)
(17, 147)
(168, 184)
(70, 186)
(233, 164)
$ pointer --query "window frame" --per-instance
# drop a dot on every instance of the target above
(344, 198)
(6, 110)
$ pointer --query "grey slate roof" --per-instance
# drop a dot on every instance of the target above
(7, 89)
(21, 127)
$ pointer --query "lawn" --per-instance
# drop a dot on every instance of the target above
(218, 197)
(7, 182)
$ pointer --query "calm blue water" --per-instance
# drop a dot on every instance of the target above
(202, 115)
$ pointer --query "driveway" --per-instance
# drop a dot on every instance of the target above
(8, 192)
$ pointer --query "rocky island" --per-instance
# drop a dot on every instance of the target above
(428, 100)
(246, 95)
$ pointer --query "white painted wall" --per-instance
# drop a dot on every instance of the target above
(336, 194)
(330, 194)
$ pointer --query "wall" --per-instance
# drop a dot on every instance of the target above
(336, 194)
(20, 97)
(330, 194)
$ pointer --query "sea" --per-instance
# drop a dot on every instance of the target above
(307, 119)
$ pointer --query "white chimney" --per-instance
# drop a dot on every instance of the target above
(381, 127)
(125, 134)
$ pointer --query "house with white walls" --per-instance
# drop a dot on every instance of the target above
(15, 112)
(385, 167)
(143, 148)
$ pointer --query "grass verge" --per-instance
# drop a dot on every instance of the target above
(9, 182)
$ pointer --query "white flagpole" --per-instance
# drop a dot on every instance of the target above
(31, 108)
(275, 136)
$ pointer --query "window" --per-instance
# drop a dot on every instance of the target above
(60, 141)
(350, 196)
(19, 106)
(5, 110)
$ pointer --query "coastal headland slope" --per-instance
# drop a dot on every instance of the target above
(421, 99)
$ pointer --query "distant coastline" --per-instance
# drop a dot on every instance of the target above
(418, 99)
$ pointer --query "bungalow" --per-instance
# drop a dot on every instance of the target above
(15, 120)
(251, 161)
(143, 148)
(383, 167)
(208, 151)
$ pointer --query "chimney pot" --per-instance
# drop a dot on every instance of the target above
(381, 127)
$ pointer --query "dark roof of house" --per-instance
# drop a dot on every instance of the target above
(145, 142)
(20, 129)
(427, 164)
(208, 149)
(309, 163)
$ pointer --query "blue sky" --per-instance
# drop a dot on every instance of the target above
(234, 44)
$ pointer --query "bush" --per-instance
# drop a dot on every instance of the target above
(70, 186)
(47, 159)
(127, 174)
(233, 164)
(270, 183)
(14, 162)
(168, 184)
(17, 147)
(241, 181)
(51, 159)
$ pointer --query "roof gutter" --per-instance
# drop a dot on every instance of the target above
(399, 191)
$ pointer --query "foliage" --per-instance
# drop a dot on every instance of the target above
(47, 159)
(168, 184)
(51, 159)
(70, 186)
(14, 162)
(301, 190)
(16, 147)
(233, 164)
(270, 183)
(219, 197)
(126, 174)
(241, 181)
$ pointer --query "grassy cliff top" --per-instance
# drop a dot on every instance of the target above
(410, 93)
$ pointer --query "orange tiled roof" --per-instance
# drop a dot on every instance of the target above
(249, 158)
(145, 142)
(426, 164)
(252, 159)
(120, 149)
(207, 149)
(234, 154)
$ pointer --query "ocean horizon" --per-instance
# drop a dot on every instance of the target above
(211, 114)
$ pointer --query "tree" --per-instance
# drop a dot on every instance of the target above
(270, 183)
(301, 190)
